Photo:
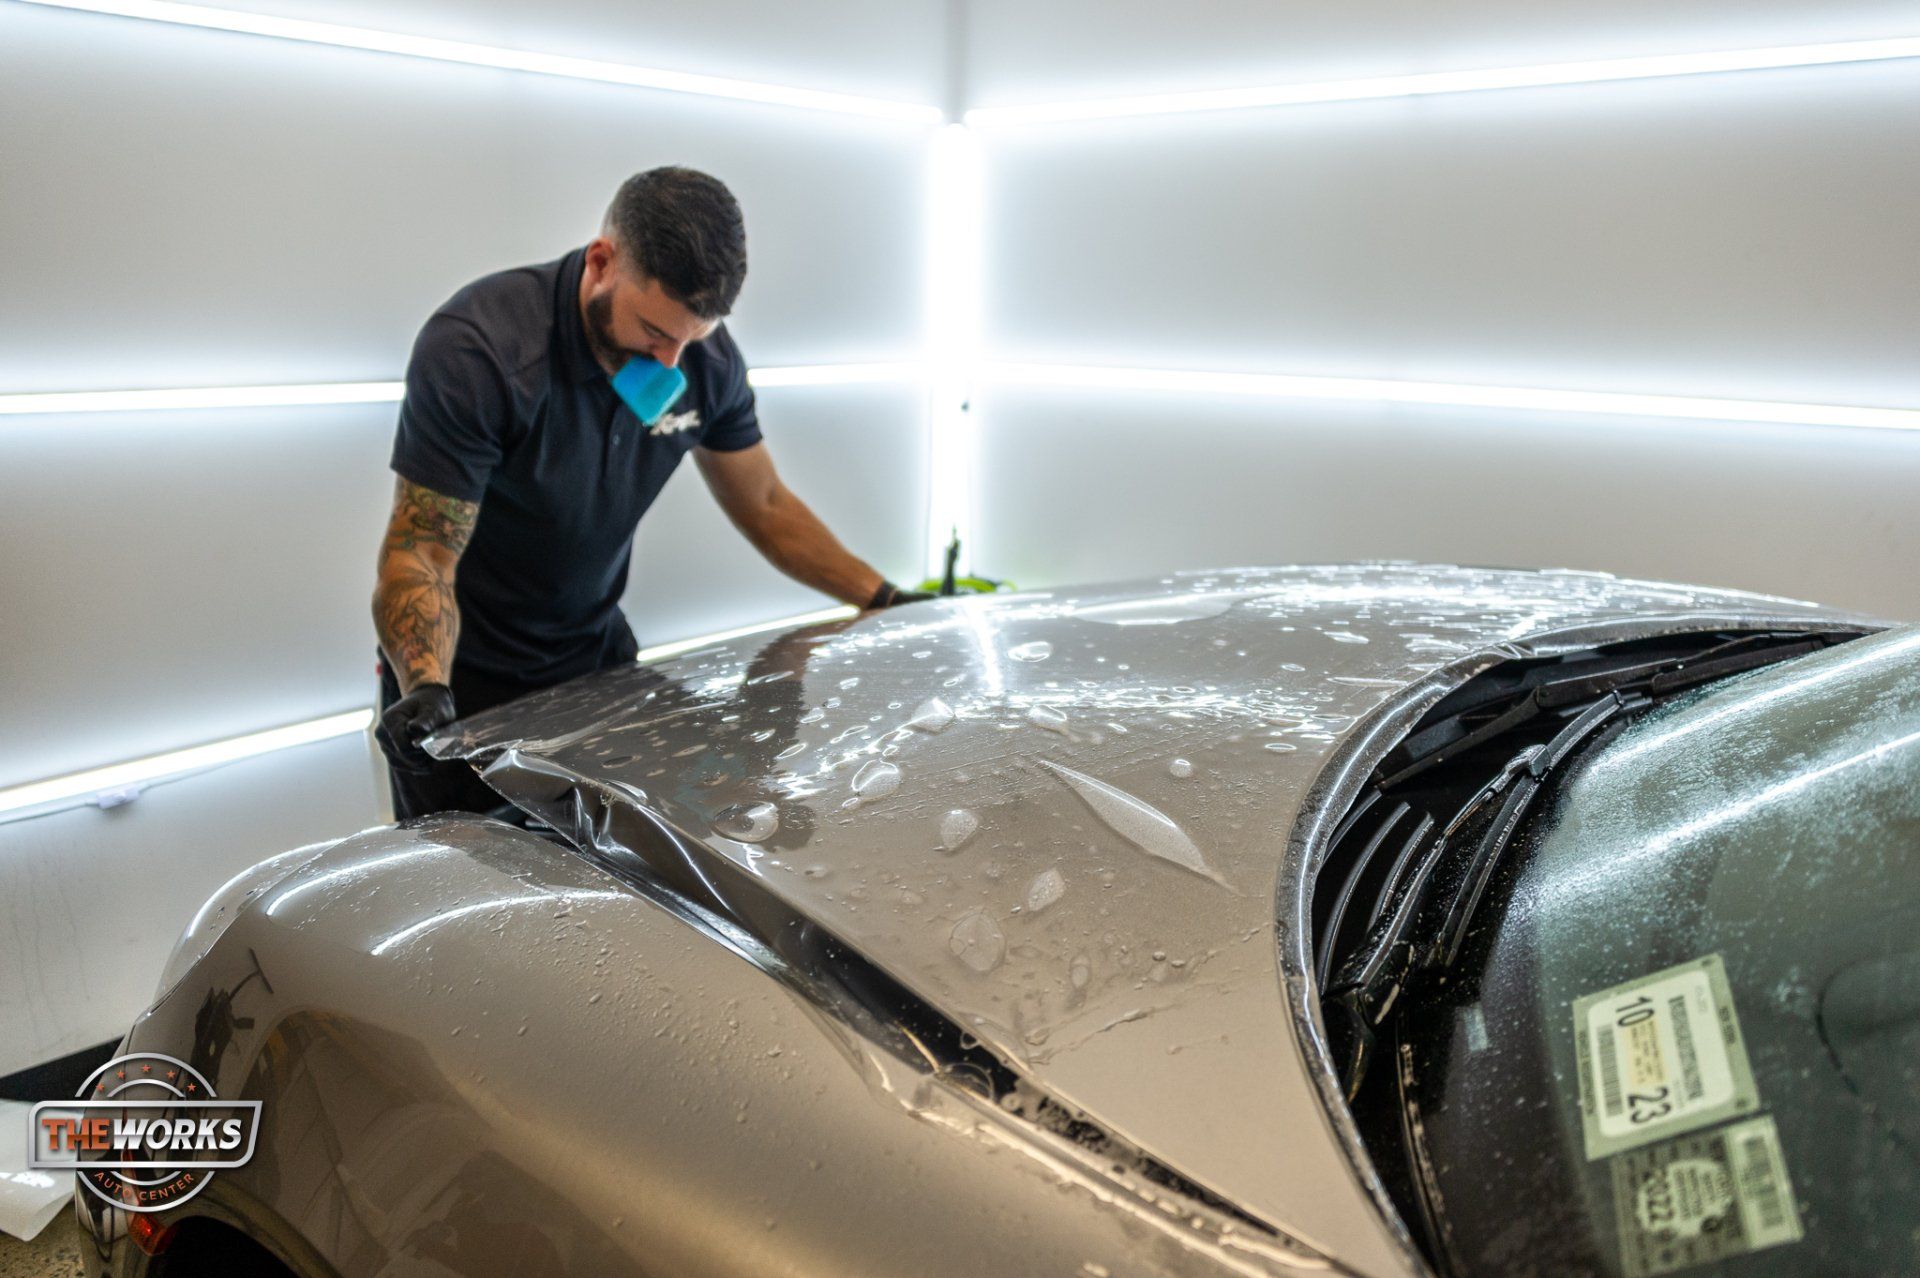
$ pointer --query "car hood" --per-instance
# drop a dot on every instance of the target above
(1079, 824)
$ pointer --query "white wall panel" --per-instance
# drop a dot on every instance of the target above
(1082, 485)
(879, 48)
(176, 578)
(1023, 52)
(1740, 235)
(91, 901)
(185, 207)
(855, 454)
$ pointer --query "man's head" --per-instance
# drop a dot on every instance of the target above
(665, 269)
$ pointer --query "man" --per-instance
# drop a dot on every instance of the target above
(523, 471)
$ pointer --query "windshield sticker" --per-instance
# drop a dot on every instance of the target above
(1704, 1197)
(1659, 1056)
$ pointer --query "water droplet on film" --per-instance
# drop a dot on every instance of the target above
(747, 822)
(956, 827)
(976, 940)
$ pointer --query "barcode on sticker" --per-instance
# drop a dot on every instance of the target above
(1690, 1076)
(1758, 1185)
(1610, 1097)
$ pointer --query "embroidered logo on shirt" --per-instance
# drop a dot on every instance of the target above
(674, 423)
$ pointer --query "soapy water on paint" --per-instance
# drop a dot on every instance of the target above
(1047, 887)
(977, 941)
(1047, 718)
(1136, 821)
(956, 827)
(747, 822)
(932, 715)
(1157, 612)
(875, 780)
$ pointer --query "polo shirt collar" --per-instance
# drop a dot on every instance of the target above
(576, 357)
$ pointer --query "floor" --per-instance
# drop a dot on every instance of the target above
(55, 1253)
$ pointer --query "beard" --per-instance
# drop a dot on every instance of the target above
(599, 330)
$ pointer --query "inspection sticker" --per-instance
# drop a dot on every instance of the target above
(1703, 1197)
(1658, 1056)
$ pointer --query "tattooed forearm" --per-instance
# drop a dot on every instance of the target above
(418, 623)
(414, 611)
(426, 521)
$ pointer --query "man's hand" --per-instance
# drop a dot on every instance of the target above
(891, 596)
(411, 720)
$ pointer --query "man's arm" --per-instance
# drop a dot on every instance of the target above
(414, 612)
(782, 528)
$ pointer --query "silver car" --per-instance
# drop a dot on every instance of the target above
(1384, 919)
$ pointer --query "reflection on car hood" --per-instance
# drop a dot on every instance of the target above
(1065, 819)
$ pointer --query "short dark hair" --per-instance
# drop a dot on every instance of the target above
(683, 229)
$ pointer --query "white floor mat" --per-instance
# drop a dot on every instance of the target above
(28, 1199)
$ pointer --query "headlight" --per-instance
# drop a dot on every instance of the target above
(224, 906)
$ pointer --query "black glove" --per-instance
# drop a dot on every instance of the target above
(890, 595)
(412, 719)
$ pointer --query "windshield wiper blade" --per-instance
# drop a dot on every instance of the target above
(1445, 947)
(1405, 892)
(1508, 719)
(1474, 716)
(1370, 982)
(1335, 921)
(1711, 666)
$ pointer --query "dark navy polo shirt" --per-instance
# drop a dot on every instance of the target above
(505, 406)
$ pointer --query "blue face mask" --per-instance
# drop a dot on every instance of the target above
(648, 387)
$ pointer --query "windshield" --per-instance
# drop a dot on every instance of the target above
(1678, 1027)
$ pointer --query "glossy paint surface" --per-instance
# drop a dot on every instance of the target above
(479, 1054)
(1078, 824)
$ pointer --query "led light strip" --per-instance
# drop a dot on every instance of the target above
(1409, 86)
(123, 781)
(482, 55)
(127, 401)
(126, 779)
(1611, 403)
(835, 374)
(953, 270)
